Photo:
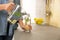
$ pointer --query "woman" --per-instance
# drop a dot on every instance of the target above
(6, 29)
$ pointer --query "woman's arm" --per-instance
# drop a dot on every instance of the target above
(2, 6)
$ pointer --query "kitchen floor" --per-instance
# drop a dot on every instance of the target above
(39, 32)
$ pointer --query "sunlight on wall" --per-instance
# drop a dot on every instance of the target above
(55, 8)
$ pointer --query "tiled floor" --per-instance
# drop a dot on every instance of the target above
(39, 32)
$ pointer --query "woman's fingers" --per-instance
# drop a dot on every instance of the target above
(10, 6)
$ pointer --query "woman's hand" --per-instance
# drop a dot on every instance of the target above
(8, 7)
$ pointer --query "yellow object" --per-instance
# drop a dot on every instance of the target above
(13, 22)
(38, 20)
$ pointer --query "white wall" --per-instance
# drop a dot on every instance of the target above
(40, 9)
(30, 7)
(36, 8)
